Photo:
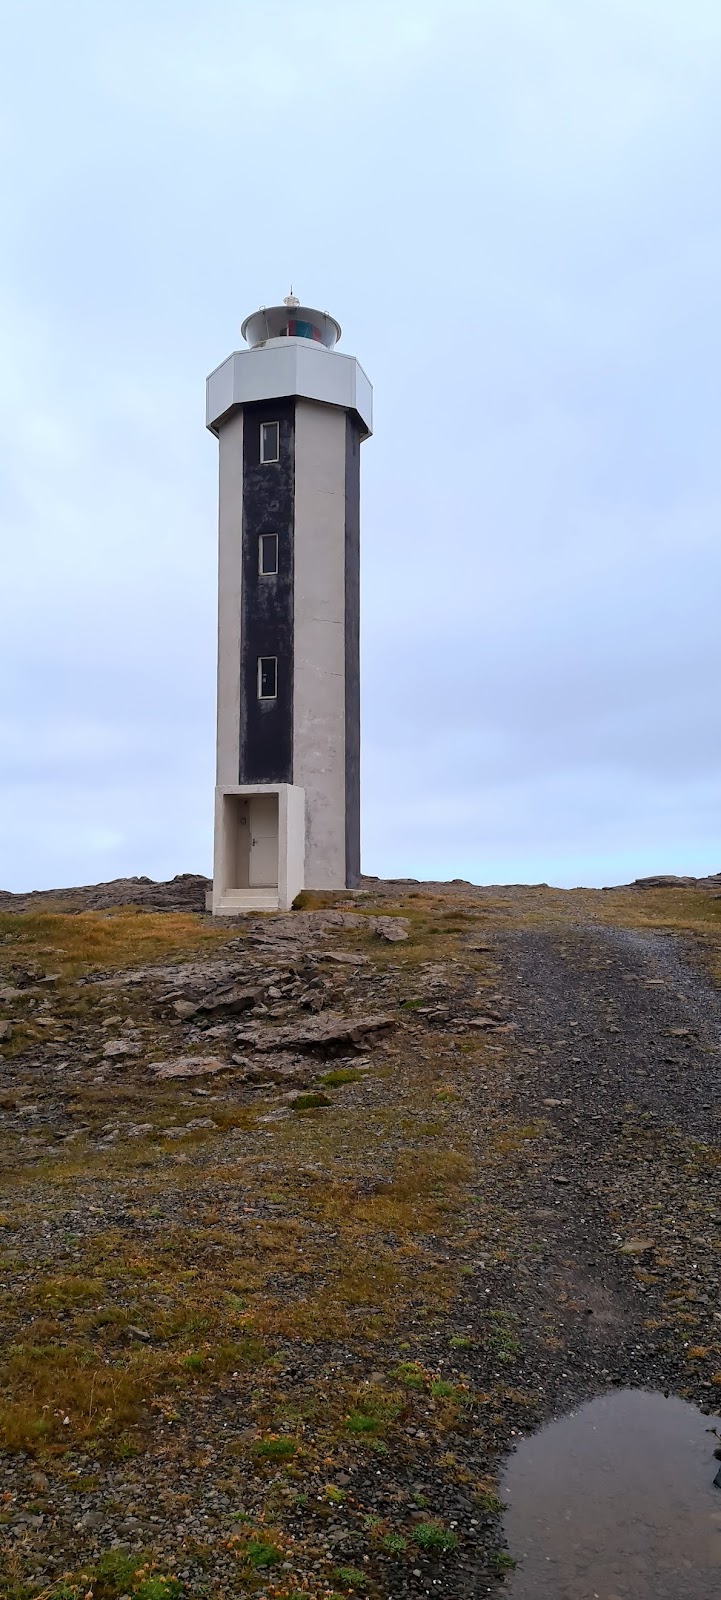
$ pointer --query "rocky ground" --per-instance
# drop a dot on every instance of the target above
(307, 1217)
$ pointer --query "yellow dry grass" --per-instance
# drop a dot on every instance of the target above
(74, 944)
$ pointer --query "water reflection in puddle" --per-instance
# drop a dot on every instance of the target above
(617, 1502)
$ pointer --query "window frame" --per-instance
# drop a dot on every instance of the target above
(264, 459)
(261, 661)
(267, 572)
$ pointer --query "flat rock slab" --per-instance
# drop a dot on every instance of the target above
(120, 1047)
(225, 1002)
(317, 1033)
(189, 1067)
(345, 958)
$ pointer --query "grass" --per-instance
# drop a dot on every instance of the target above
(434, 1537)
(501, 1338)
(112, 1577)
(73, 944)
(275, 1449)
(261, 1555)
(411, 1375)
(362, 1422)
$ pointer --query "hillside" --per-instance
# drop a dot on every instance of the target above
(307, 1217)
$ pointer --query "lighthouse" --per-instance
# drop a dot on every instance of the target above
(290, 413)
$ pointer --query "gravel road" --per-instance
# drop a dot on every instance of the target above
(618, 1049)
(619, 1015)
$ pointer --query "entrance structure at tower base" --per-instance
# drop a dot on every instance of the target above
(259, 854)
(289, 414)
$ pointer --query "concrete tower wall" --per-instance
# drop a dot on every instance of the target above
(319, 621)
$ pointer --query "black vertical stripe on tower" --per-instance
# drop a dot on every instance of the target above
(266, 726)
(352, 651)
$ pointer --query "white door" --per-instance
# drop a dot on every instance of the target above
(263, 863)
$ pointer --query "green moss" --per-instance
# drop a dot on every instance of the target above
(275, 1449)
(360, 1422)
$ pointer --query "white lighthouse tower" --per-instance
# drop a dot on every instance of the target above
(289, 414)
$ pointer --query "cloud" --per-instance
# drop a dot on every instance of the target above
(509, 207)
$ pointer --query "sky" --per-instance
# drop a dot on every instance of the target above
(513, 208)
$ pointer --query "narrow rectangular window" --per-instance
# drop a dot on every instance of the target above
(269, 441)
(267, 554)
(267, 677)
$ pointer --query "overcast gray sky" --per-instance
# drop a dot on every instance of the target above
(513, 207)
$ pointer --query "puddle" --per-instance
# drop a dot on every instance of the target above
(616, 1502)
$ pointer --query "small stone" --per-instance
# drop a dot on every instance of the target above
(92, 1519)
(201, 1122)
(636, 1247)
(5, 1032)
(138, 1130)
(184, 1008)
(120, 1047)
(392, 929)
